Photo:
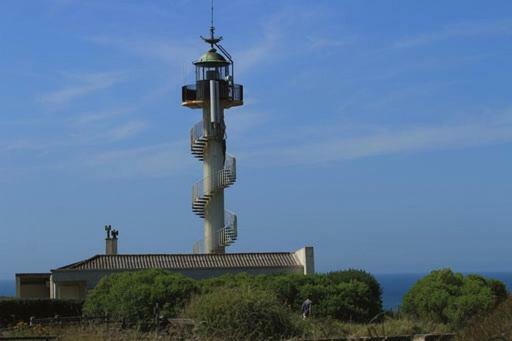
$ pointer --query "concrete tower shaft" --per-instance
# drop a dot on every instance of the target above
(213, 92)
(214, 158)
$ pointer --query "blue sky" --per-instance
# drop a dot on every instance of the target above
(378, 132)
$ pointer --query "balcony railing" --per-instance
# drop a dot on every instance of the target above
(201, 91)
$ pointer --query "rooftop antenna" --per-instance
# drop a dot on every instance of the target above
(214, 41)
(211, 26)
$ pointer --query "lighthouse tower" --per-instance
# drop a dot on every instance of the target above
(213, 91)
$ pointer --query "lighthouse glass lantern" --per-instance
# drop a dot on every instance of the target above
(212, 66)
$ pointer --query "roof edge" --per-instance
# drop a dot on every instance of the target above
(298, 266)
(77, 263)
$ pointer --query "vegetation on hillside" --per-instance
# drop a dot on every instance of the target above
(135, 297)
(268, 307)
(350, 295)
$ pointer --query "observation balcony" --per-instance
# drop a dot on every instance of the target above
(194, 95)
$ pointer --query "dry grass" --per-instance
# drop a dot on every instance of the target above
(83, 332)
(313, 329)
(495, 326)
(326, 328)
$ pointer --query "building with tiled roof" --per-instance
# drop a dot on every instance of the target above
(186, 261)
(76, 279)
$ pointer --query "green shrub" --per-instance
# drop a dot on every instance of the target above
(447, 297)
(351, 295)
(494, 326)
(240, 313)
(374, 300)
(133, 296)
(16, 310)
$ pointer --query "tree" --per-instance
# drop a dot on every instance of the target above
(133, 296)
(374, 296)
(448, 297)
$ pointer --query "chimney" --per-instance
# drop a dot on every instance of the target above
(111, 240)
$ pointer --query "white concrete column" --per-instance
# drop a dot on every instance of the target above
(53, 290)
(214, 218)
(213, 163)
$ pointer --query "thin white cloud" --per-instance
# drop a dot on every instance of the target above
(495, 130)
(95, 117)
(253, 56)
(155, 161)
(320, 42)
(84, 85)
(21, 145)
(275, 29)
(173, 53)
(239, 123)
(126, 130)
(461, 30)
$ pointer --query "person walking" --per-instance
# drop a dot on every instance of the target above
(306, 308)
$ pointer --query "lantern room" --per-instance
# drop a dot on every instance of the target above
(215, 65)
(212, 66)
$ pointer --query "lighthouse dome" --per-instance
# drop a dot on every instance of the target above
(211, 58)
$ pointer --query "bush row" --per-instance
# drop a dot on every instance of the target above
(351, 295)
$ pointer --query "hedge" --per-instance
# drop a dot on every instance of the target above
(15, 310)
(352, 295)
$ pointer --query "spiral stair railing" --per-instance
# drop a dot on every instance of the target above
(229, 233)
(223, 179)
(198, 141)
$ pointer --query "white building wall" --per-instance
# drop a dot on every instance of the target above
(306, 257)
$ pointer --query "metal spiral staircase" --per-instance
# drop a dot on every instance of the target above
(223, 179)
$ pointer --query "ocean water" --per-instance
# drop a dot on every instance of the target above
(7, 287)
(394, 286)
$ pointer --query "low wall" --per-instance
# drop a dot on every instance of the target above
(16, 310)
(422, 337)
(434, 337)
